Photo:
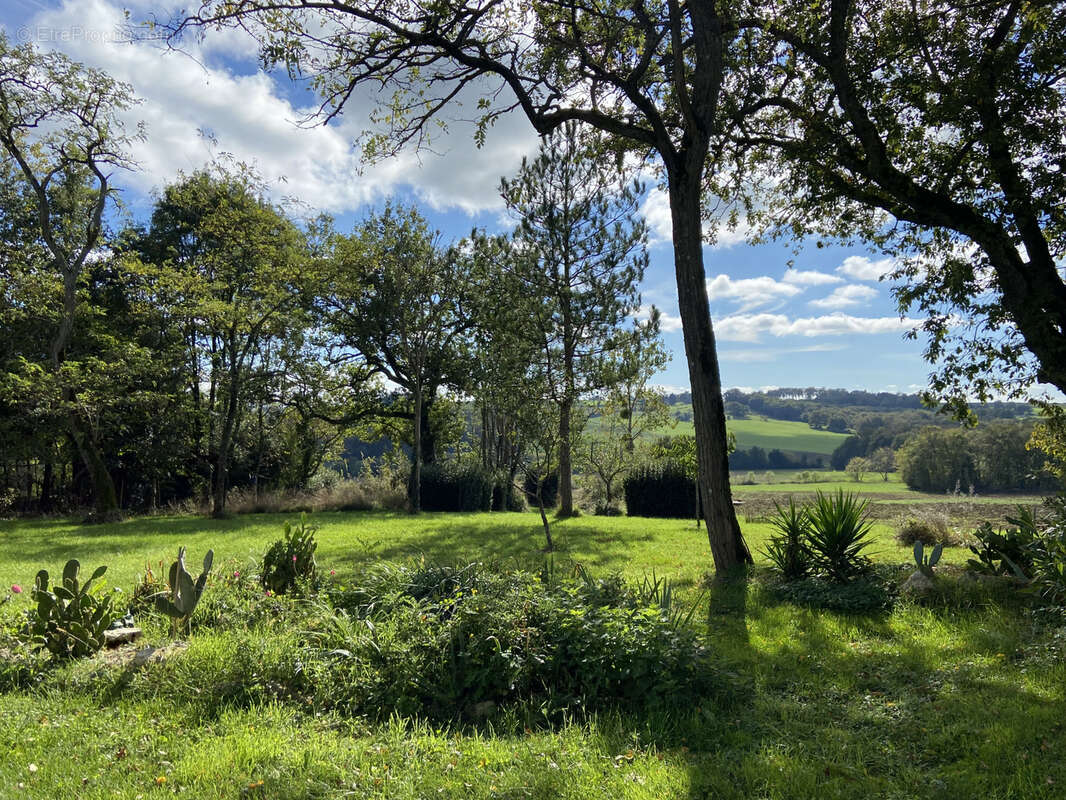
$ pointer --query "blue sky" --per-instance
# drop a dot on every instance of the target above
(826, 322)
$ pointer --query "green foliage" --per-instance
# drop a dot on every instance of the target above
(865, 595)
(69, 621)
(457, 642)
(184, 592)
(839, 532)
(456, 487)
(290, 561)
(549, 487)
(1009, 551)
(787, 549)
(926, 527)
(663, 489)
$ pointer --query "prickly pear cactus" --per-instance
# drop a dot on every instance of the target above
(68, 620)
(926, 563)
(184, 594)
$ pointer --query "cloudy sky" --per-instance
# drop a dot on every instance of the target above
(827, 321)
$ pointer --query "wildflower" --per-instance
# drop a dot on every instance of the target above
(269, 593)
(16, 589)
(333, 572)
(236, 574)
(294, 559)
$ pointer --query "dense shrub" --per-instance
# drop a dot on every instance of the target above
(868, 594)
(549, 489)
(457, 641)
(290, 561)
(927, 527)
(1029, 549)
(660, 490)
(456, 488)
(506, 497)
(1008, 551)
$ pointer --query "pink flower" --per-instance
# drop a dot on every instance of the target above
(333, 572)
(236, 574)
(294, 559)
(16, 589)
(269, 593)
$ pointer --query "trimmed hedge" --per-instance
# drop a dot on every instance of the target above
(453, 488)
(660, 490)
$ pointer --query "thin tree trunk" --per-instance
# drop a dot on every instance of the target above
(566, 467)
(708, 409)
(415, 490)
(543, 516)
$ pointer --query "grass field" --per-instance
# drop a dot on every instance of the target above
(962, 699)
(769, 434)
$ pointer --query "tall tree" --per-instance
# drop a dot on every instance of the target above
(578, 256)
(937, 130)
(648, 74)
(246, 278)
(400, 301)
(60, 126)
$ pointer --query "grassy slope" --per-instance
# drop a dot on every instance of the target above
(768, 434)
(921, 703)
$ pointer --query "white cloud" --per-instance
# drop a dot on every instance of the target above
(774, 353)
(253, 117)
(810, 277)
(864, 269)
(656, 212)
(750, 293)
(845, 296)
(751, 327)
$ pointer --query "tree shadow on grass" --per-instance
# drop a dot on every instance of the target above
(851, 706)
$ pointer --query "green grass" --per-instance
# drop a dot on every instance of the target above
(348, 541)
(966, 699)
(769, 434)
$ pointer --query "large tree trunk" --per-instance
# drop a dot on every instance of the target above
(708, 409)
(105, 498)
(566, 467)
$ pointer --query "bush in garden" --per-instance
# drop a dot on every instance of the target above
(456, 488)
(929, 528)
(660, 490)
(68, 620)
(838, 533)
(455, 641)
(867, 594)
(290, 561)
(1008, 551)
(787, 548)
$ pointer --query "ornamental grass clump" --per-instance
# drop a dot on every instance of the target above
(839, 532)
(787, 549)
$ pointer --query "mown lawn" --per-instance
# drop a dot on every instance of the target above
(966, 698)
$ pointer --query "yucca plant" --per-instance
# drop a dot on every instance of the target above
(787, 549)
(839, 532)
